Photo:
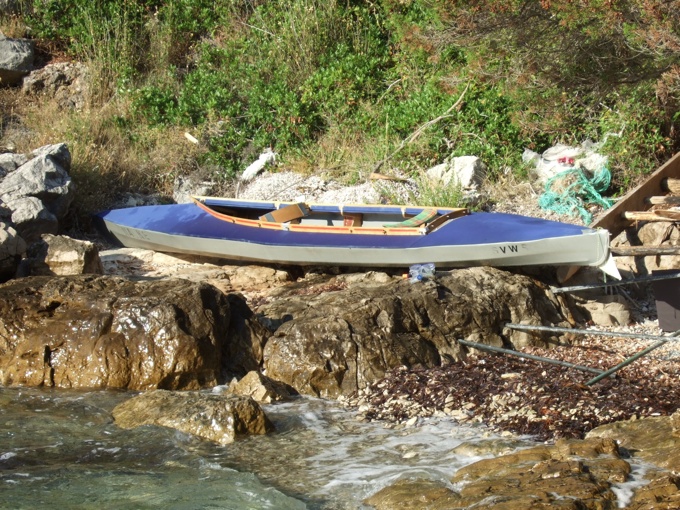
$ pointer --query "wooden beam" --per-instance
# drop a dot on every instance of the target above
(652, 215)
(645, 251)
(664, 200)
(614, 221)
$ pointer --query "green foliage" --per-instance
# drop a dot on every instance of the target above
(633, 141)
(295, 75)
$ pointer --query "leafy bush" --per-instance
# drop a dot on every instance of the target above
(346, 84)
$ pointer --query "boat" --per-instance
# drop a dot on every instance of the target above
(357, 235)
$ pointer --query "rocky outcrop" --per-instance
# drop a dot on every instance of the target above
(106, 332)
(338, 336)
(213, 417)
(16, 59)
(653, 439)
(38, 192)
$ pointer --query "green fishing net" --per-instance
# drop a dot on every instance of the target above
(570, 191)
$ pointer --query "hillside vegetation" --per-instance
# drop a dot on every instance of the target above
(339, 86)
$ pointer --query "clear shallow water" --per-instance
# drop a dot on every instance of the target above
(61, 449)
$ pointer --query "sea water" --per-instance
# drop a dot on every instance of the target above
(61, 449)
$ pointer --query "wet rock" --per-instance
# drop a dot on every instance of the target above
(675, 423)
(217, 418)
(260, 388)
(571, 475)
(61, 255)
(418, 494)
(334, 338)
(106, 332)
(660, 494)
(649, 439)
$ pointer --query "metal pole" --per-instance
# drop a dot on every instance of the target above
(492, 348)
(626, 362)
(642, 279)
(556, 329)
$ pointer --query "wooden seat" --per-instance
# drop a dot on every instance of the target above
(288, 213)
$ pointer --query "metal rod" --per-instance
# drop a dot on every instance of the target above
(492, 348)
(626, 362)
(615, 334)
(642, 279)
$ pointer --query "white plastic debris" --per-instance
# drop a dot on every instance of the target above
(268, 156)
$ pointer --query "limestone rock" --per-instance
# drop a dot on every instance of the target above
(107, 332)
(32, 218)
(39, 192)
(61, 255)
(217, 418)
(334, 342)
(41, 177)
(260, 388)
(16, 59)
(651, 439)
(10, 162)
(609, 311)
(66, 82)
(12, 248)
(467, 172)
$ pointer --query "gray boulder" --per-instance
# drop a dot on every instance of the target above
(39, 191)
(16, 59)
(32, 218)
(12, 247)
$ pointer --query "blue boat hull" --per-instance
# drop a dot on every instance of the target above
(477, 239)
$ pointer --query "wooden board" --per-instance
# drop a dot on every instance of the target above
(636, 200)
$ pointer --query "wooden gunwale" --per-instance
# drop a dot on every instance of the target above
(327, 229)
